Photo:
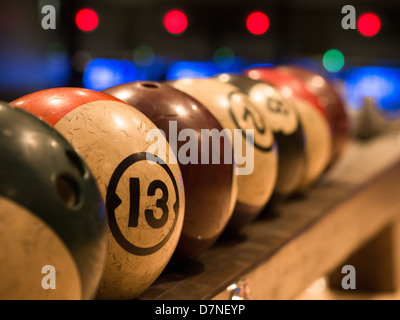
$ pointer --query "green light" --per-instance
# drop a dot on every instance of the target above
(333, 60)
(224, 57)
(143, 56)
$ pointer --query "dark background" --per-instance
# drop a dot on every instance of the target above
(300, 32)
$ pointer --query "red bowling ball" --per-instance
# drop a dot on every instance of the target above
(313, 117)
(328, 98)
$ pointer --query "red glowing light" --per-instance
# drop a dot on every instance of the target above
(175, 21)
(87, 19)
(368, 24)
(257, 22)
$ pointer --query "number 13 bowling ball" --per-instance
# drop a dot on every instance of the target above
(210, 189)
(143, 191)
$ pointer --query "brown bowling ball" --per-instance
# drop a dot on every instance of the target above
(285, 123)
(329, 99)
(210, 189)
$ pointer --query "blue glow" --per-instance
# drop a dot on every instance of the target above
(224, 62)
(58, 68)
(303, 62)
(229, 65)
(154, 72)
(101, 74)
(29, 71)
(259, 64)
(191, 69)
(380, 83)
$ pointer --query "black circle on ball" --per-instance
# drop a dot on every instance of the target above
(259, 130)
(113, 201)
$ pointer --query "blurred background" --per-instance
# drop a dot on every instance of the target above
(102, 43)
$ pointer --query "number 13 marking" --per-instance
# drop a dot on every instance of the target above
(134, 189)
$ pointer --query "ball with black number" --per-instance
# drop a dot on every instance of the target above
(253, 143)
(284, 120)
(140, 182)
(313, 118)
(210, 182)
(53, 228)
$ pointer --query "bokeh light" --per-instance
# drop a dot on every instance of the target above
(175, 21)
(191, 69)
(101, 74)
(143, 56)
(257, 23)
(87, 19)
(380, 83)
(333, 60)
(224, 58)
(368, 24)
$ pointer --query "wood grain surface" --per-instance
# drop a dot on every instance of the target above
(303, 238)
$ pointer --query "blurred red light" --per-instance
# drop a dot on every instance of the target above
(175, 21)
(257, 22)
(86, 19)
(368, 24)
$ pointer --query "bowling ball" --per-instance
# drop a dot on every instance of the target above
(210, 188)
(255, 150)
(314, 120)
(284, 121)
(329, 99)
(53, 228)
(142, 188)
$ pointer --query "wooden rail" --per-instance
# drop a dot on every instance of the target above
(308, 236)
